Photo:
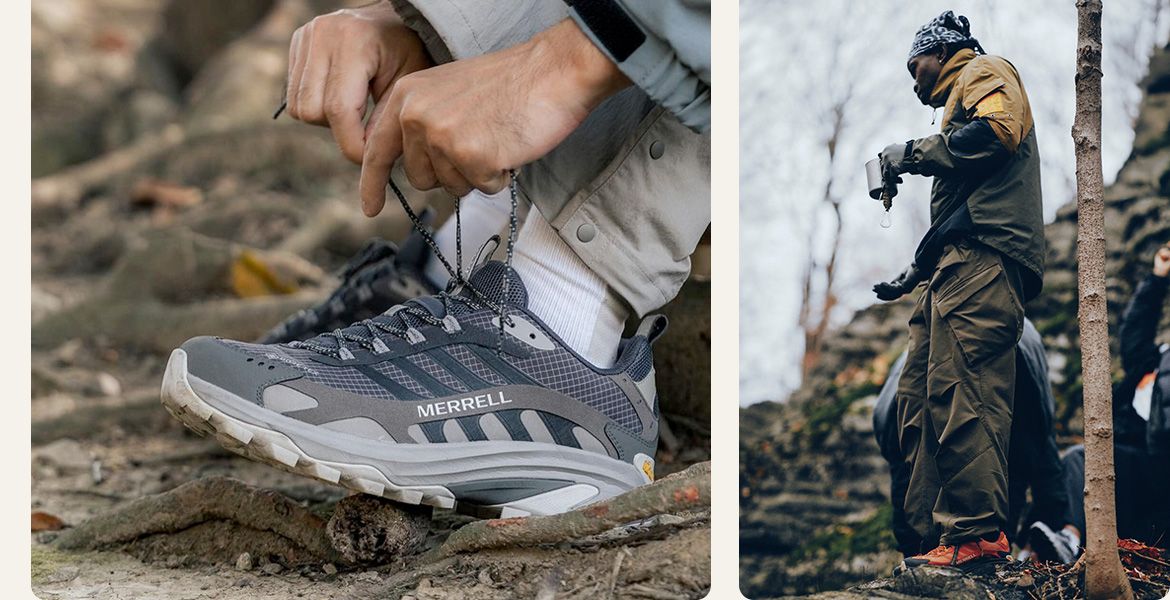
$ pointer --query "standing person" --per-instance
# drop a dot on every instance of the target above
(1045, 529)
(514, 389)
(982, 259)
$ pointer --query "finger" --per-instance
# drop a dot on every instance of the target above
(298, 69)
(346, 92)
(492, 184)
(416, 161)
(294, 71)
(449, 176)
(383, 147)
(311, 89)
(474, 168)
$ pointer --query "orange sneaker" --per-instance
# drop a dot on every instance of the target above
(975, 555)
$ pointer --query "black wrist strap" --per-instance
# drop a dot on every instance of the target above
(620, 35)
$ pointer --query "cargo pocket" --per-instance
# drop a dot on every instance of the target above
(982, 313)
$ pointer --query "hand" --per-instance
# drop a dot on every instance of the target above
(338, 60)
(893, 164)
(1162, 262)
(464, 124)
(900, 286)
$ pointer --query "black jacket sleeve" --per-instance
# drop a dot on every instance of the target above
(1139, 326)
(972, 149)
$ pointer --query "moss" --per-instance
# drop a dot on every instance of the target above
(843, 540)
(1154, 144)
(46, 561)
(823, 417)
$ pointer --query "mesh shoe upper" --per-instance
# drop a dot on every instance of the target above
(527, 364)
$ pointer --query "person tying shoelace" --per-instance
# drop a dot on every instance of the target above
(507, 389)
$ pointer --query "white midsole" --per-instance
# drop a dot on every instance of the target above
(416, 473)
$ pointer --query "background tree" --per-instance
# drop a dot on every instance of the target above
(1104, 577)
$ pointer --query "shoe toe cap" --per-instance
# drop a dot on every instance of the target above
(230, 367)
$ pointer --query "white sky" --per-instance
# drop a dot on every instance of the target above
(785, 90)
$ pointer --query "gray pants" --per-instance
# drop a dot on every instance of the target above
(629, 191)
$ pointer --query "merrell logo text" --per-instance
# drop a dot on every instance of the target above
(435, 409)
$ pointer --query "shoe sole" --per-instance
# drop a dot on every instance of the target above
(981, 567)
(252, 431)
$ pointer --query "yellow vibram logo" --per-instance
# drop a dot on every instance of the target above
(992, 104)
(648, 469)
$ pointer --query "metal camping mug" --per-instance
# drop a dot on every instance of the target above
(873, 177)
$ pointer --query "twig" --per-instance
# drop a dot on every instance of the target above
(617, 567)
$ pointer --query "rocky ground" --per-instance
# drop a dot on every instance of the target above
(814, 489)
(167, 203)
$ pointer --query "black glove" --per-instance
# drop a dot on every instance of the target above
(893, 161)
(900, 286)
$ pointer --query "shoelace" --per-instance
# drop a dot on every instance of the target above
(458, 283)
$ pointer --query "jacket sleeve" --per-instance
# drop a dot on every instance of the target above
(1139, 326)
(459, 29)
(663, 46)
(997, 107)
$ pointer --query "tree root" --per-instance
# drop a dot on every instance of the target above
(368, 529)
(687, 490)
(198, 503)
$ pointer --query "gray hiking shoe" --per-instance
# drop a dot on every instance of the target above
(431, 403)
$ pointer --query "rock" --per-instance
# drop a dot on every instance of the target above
(329, 569)
(272, 568)
(244, 562)
(368, 577)
(44, 303)
(67, 573)
(66, 454)
(367, 529)
(108, 385)
(69, 351)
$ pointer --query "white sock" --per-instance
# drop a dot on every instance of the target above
(566, 294)
(483, 216)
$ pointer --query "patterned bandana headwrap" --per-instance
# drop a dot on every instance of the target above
(943, 29)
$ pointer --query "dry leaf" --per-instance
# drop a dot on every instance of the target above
(252, 277)
(43, 521)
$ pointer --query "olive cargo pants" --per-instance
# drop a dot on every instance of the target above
(955, 395)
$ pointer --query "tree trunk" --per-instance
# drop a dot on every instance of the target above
(1104, 577)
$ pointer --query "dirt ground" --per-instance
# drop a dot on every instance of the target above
(166, 204)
